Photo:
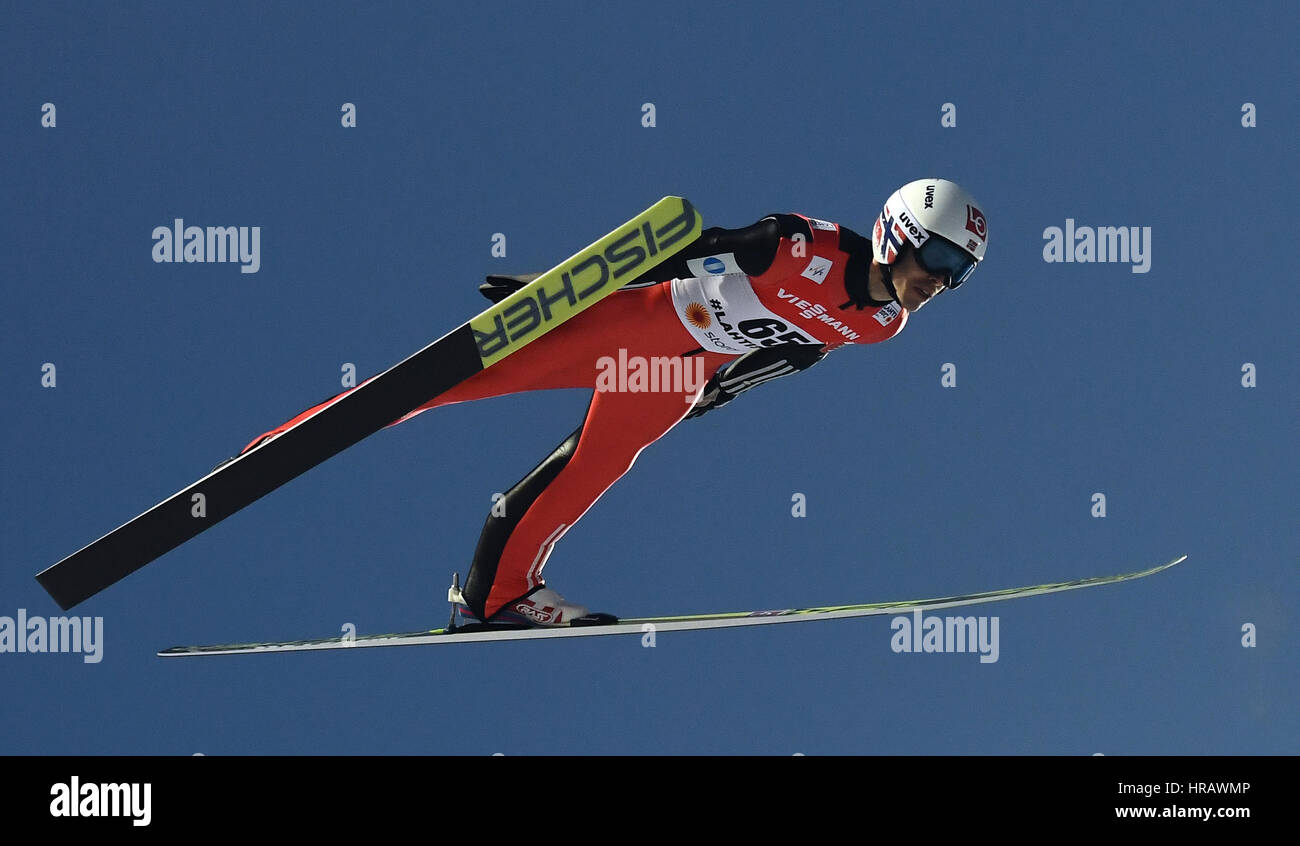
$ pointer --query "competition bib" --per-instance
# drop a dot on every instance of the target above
(724, 315)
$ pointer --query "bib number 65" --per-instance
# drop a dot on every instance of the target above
(765, 329)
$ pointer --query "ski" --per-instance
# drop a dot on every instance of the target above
(480, 634)
(570, 287)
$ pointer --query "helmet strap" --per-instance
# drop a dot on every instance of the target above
(887, 276)
(859, 289)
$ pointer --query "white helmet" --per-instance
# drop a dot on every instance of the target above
(940, 220)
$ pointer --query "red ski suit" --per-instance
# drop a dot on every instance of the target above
(771, 292)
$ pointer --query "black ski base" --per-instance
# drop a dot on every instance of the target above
(594, 620)
(587, 620)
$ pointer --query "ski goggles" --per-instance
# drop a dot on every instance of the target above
(944, 258)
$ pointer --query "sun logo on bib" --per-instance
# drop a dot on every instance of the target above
(698, 315)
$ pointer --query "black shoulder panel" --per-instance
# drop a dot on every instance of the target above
(792, 225)
(754, 247)
(857, 270)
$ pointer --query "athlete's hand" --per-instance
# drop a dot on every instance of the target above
(499, 285)
(713, 397)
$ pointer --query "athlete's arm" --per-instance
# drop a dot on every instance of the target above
(501, 285)
(754, 248)
(754, 368)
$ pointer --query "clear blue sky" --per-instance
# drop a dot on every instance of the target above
(1072, 378)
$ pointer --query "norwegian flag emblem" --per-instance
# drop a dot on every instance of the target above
(891, 236)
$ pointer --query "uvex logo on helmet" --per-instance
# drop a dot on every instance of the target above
(895, 227)
(910, 226)
(931, 208)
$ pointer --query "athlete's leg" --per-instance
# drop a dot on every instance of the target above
(545, 504)
(565, 357)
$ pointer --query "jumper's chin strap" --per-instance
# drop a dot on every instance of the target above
(859, 289)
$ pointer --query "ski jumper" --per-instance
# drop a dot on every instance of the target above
(752, 304)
